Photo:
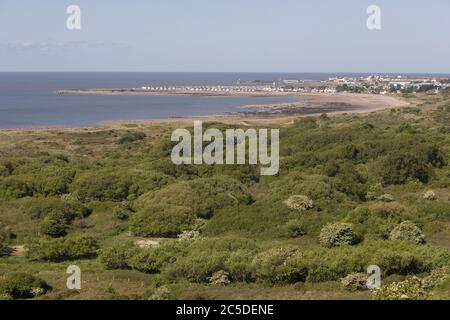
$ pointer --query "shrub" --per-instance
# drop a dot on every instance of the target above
(162, 293)
(15, 188)
(293, 229)
(203, 196)
(130, 137)
(117, 257)
(355, 281)
(436, 278)
(123, 211)
(23, 286)
(398, 167)
(337, 234)
(429, 195)
(53, 227)
(410, 289)
(219, 278)
(161, 221)
(299, 203)
(58, 214)
(386, 198)
(277, 266)
(61, 249)
(407, 231)
(101, 186)
(55, 208)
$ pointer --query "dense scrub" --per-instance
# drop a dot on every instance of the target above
(352, 191)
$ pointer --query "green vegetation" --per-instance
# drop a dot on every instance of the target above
(22, 286)
(353, 190)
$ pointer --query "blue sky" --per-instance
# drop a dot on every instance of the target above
(231, 35)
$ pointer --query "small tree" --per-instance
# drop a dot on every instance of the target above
(407, 231)
(337, 234)
(299, 203)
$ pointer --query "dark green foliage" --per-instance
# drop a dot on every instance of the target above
(23, 286)
(398, 167)
(57, 214)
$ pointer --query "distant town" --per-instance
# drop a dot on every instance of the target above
(374, 84)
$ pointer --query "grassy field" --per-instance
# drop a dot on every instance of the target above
(353, 190)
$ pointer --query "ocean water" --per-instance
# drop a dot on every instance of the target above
(28, 99)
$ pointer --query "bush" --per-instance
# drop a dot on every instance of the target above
(23, 286)
(53, 227)
(203, 196)
(15, 188)
(58, 214)
(407, 231)
(55, 208)
(117, 257)
(279, 265)
(123, 211)
(61, 249)
(293, 229)
(337, 234)
(429, 195)
(299, 203)
(102, 186)
(410, 289)
(355, 281)
(219, 278)
(398, 167)
(161, 221)
(130, 137)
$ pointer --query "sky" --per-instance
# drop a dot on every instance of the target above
(226, 36)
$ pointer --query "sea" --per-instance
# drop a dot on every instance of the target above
(28, 100)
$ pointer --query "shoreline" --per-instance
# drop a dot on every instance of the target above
(311, 104)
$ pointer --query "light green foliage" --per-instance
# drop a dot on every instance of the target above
(337, 234)
(407, 231)
(203, 196)
(61, 249)
(410, 289)
(161, 221)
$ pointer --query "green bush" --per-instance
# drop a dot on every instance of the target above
(161, 221)
(123, 211)
(400, 166)
(204, 196)
(337, 234)
(23, 286)
(57, 214)
(280, 265)
(410, 289)
(117, 257)
(407, 231)
(101, 186)
(61, 249)
(15, 188)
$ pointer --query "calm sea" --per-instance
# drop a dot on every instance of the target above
(28, 99)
